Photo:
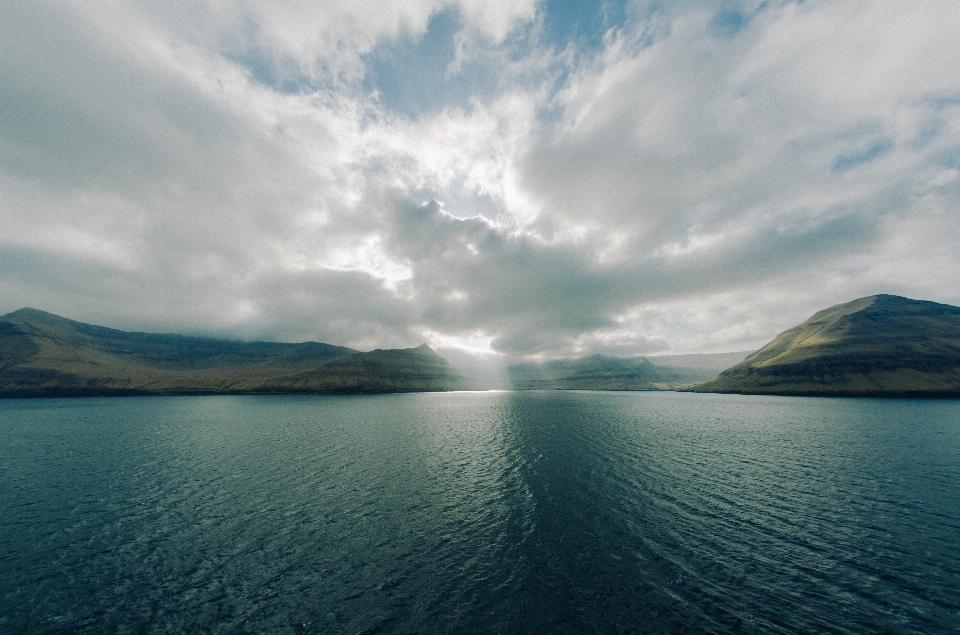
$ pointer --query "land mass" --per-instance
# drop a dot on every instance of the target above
(878, 346)
(44, 355)
(604, 372)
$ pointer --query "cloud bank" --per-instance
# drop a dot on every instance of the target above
(658, 177)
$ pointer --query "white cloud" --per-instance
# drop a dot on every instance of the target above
(698, 182)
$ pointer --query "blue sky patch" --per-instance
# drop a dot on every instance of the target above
(580, 21)
(844, 162)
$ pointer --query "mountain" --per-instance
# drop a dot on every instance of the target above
(42, 354)
(882, 345)
(417, 369)
(602, 372)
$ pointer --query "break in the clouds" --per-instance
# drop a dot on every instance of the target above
(524, 178)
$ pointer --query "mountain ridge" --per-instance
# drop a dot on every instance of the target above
(604, 372)
(43, 354)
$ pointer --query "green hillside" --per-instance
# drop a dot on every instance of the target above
(42, 354)
(882, 345)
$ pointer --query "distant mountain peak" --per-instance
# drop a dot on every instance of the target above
(29, 313)
(26, 311)
(601, 372)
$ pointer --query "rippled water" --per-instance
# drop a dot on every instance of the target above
(540, 512)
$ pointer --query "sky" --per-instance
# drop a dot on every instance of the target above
(504, 180)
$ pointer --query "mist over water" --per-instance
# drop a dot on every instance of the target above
(502, 512)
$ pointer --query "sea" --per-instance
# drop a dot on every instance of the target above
(483, 512)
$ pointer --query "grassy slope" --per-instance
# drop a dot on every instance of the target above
(880, 346)
(45, 355)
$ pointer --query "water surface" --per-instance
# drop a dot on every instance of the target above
(535, 512)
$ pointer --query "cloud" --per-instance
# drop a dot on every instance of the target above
(685, 177)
